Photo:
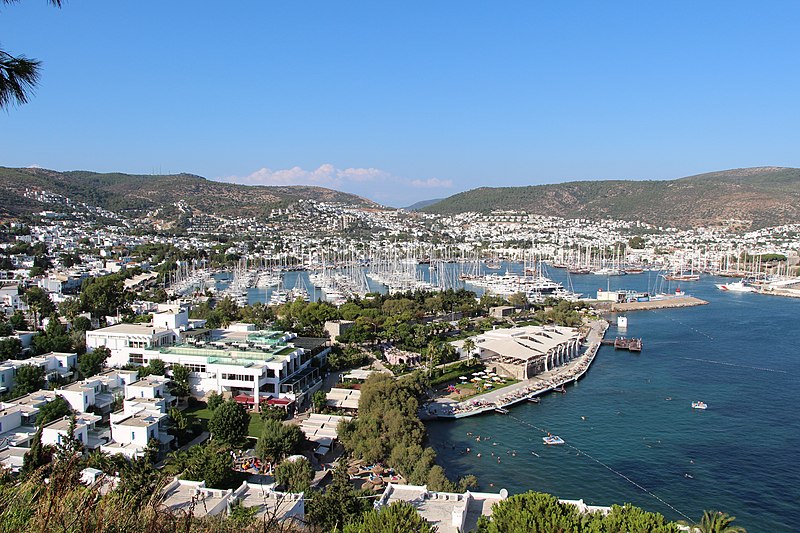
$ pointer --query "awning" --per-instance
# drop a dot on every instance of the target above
(245, 399)
(280, 401)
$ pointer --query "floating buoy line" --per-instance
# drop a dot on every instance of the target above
(601, 463)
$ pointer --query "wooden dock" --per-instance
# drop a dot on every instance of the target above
(631, 344)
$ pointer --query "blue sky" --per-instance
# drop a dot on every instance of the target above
(409, 100)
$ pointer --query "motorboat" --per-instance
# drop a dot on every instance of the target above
(533, 399)
(699, 405)
(736, 286)
(553, 440)
(501, 410)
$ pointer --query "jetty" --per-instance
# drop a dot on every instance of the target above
(500, 400)
(666, 303)
(624, 343)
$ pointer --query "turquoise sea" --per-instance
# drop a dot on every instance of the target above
(631, 433)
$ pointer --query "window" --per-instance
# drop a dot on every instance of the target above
(136, 358)
(133, 436)
(238, 377)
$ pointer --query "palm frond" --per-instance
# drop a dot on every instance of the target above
(18, 77)
(56, 3)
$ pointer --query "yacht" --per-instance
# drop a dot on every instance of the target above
(699, 405)
(736, 286)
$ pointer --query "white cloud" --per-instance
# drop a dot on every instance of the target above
(374, 183)
(432, 183)
(326, 175)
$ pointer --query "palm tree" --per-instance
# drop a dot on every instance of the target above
(18, 74)
(468, 347)
(715, 522)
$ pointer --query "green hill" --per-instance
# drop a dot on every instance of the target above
(759, 197)
(136, 194)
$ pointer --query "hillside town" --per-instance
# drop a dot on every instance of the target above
(136, 343)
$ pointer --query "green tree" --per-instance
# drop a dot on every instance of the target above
(29, 378)
(468, 347)
(39, 303)
(35, 457)
(338, 504)
(103, 296)
(319, 400)
(294, 476)
(212, 464)
(399, 516)
(157, 367)
(178, 418)
(10, 348)
(18, 321)
(54, 338)
(229, 423)
(214, 400)
(180, 377)
(271, 412)
(716, 522)
(91, 363)
(278, 440)
(518, 299)
(58, 408)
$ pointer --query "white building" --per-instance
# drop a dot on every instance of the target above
(275, 505)
(9, 298)
(56, 366)
(193, 497)
(124, 340)
(449, 512)
(99, 391)
(56, 431)
(131, 433)
(526, 351)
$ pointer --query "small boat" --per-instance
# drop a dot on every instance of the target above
(699, 405)
(561, 390)
(553, 440)
(501, 410)
(533, 399)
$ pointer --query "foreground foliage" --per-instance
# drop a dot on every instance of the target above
(535, 512)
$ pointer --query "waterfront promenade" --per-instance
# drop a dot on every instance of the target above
(519, 392)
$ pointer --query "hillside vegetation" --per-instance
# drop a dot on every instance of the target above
(135, 194)
(759, 197)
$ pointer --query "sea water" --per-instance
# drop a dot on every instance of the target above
(631, 433)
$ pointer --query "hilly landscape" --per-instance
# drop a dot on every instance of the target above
(136, 194)
(758, 197)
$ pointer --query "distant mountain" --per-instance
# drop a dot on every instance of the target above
(422, 204)
(137, 194)
(759, 197)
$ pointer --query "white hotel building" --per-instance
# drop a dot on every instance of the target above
(251, 366)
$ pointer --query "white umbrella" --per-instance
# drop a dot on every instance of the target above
(463, 378)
